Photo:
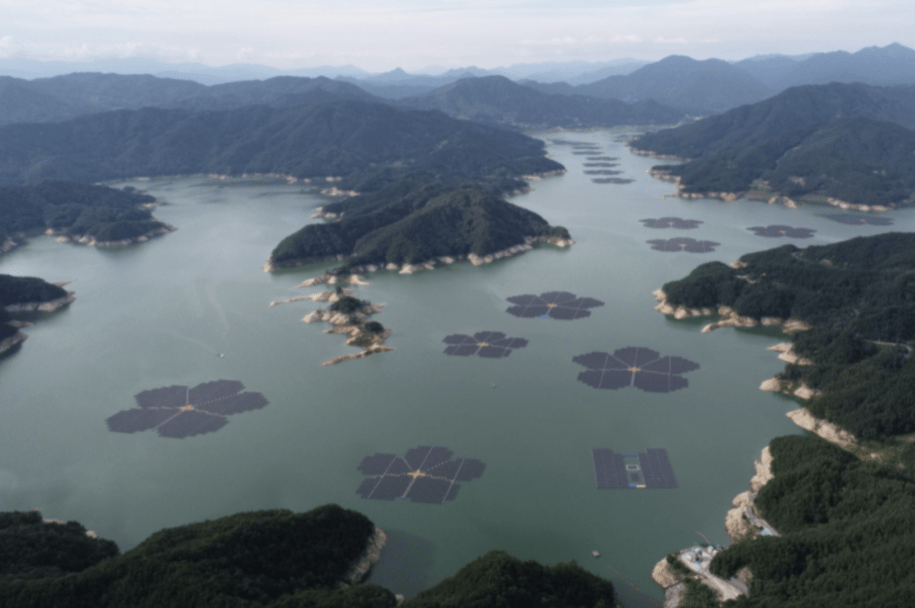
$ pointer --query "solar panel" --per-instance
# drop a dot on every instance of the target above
(425, 474)
(780, 230)
(671, 222)
(860, 218)
(487, 344)
(552, 305)
(179, 411)
(612, 472)
(636, 366)
(683, 244)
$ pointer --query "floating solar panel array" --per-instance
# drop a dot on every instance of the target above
(635, 366)
(671, 222)
(612, 180)
(860, 218)
(652, 471)
(602, 172)
(491, 344)
(600, 164)
(602, 158)
(683, 244)
(780, 230)
(552, 305)
(179, 411)
(425, 475)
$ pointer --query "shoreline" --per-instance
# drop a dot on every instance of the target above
(739, 527)
(352, 324)
(12, 342)
(529, 243)
(728, 316)
(47, 306)
(774, 198)
(86, 239)
(369, 557)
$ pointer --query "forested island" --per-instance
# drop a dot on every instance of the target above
(90, 214)
(276, 559)
(857, 297)
(416, 220)
(850, 145)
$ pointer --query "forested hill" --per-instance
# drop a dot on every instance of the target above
(261, 559)
(413, 221)
(859, 295)
(849, 142)
(315, 141)
(498, 100)
(847, 532)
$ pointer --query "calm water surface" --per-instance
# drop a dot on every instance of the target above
(160, 313)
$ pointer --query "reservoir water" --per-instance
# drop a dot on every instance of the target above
(161, 313)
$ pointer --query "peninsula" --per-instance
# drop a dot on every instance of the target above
(852, 321)
(23, 295)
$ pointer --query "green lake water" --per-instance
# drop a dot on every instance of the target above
(160, 313)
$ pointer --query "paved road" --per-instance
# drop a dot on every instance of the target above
(728, 590)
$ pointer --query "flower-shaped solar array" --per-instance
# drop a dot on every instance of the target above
(600, 164)
(780, 230)
(671, 222)
(683, 244)
(602, 172)
(602, 158)
(635, 366)
(860, 218)
(552, 305)
(492, 344)
(425, 474)
(179, 411)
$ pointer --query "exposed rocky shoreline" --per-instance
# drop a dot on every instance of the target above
(369, 558)
(728, 316)
(477, 260)
(730, 197)
(352, 324)
(87, 239)
(829, 431)
(736, 522)
(48, 306)
(11, 342)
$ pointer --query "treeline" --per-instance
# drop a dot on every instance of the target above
(342, 138)
(274, 559)
(847, 532)
(75, 209)
(850, 142)
(855, 293)
(414, 220)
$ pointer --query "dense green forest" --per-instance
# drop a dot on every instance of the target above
(500, 580)
(847, 532)
(856, 293)
(334, 139)
(839, 141)
(22, 290)
(412, 221)
(275, 559)
(75, 209)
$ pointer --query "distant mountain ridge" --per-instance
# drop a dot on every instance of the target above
(496, 99)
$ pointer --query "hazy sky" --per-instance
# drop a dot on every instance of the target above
(379, 35)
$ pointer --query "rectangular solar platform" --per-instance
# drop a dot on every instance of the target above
(610, 470)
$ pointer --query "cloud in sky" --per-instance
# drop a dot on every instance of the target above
(415, 33)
